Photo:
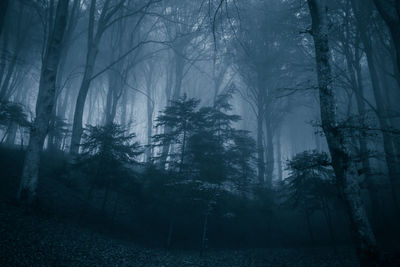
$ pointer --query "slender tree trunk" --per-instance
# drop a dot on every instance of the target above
(390, 12)
(124, 108)
(150, 110)
(5, 86)
(328, 218)
(260, 149)
(60, 108)
(106, 193)
(114, 212)
(345, 170)
(270, 152)
(3, 56)
(44, 106)
(61, 114)
(388, 143)
(11, 134)
(179, 66)
(204, 235)
(77, 128)
(279, 156)
(309, 228)
(6, 77)
(113, 95)
(354, 70)
(92, 51)
(181, 164)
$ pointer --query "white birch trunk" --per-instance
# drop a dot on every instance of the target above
(345, 170)
(44, 106)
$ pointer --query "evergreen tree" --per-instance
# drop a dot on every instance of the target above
(179, 117)
(108, 157)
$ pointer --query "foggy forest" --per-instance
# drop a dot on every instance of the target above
(199, 133)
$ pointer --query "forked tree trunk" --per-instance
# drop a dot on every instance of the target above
(44, 106)
(345, 170)
(92, 52)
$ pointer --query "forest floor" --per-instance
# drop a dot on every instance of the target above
(28, 239)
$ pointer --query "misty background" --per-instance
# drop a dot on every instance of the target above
(206, 126)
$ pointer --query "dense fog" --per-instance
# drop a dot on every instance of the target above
(199, 132)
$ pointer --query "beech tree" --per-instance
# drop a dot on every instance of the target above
(346, 173)
(44, 105)
(97, 27)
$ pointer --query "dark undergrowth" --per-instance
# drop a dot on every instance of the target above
(64, 229)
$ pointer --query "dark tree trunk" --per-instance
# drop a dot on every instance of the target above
(307, 214)
(354, 71)
(260, 149)
(279, 157)
(204, 235)
(327, 214)
(11, 134)
(77, 128)
(270, 152)
(388, 143)
(179, 67)
(345, 170)
(390, 12)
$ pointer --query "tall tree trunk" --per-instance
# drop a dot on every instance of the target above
(179, 66)
(11, 134)
(3, 55)
(204, 235)
(91, 56)
(113, 95)
(344, 168)
(77, 128)
(8, 70)
(260, 148)
(390, 12)
(328, 219)
(279, 156)
(364, 153)
(388, 143)
(60, 108)
(150, 111)
(354, 70)
(270, 152)
(44, 106)
(307, 214)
